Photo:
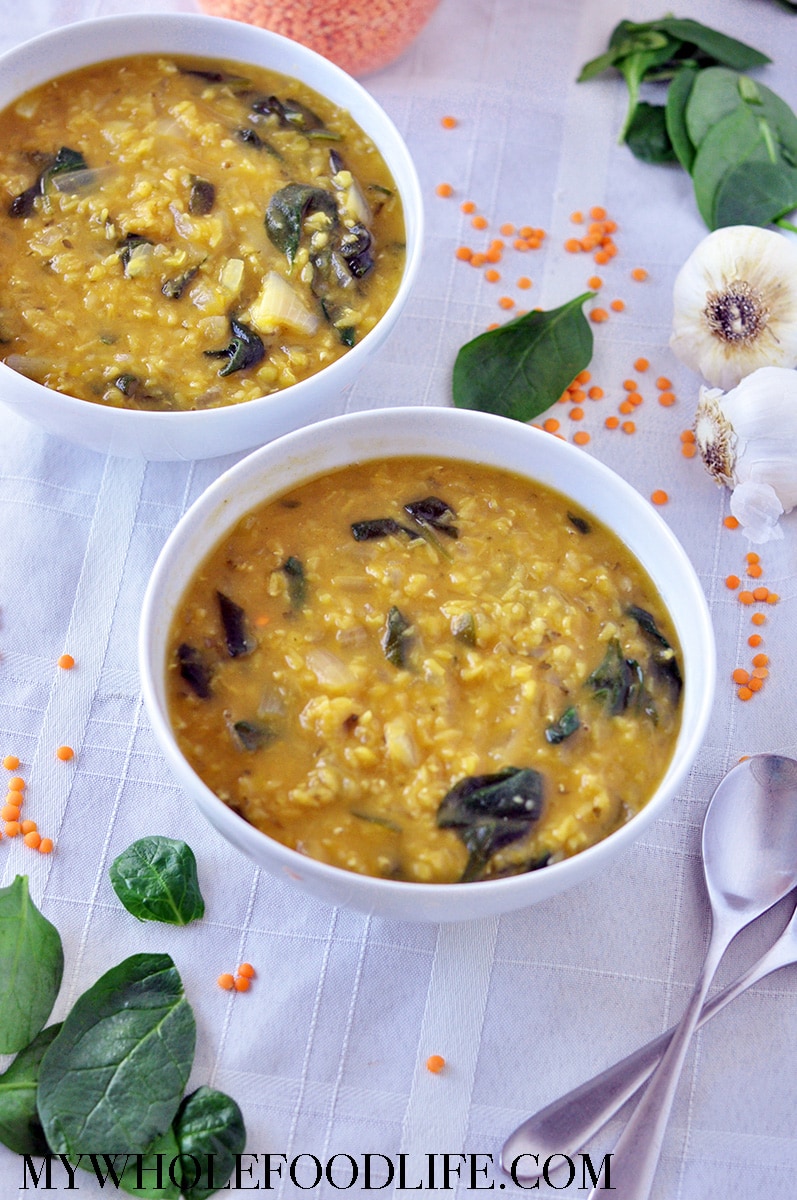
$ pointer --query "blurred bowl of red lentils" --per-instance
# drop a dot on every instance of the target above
(361, 36)
(210, 230)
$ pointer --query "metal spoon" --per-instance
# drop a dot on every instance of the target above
(565, 1125)
(750, 862)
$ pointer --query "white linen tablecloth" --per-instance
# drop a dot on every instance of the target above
(326, 1053)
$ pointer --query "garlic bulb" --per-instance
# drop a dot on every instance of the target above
(748, 441)
(735, 304)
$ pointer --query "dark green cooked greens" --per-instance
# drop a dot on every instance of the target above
(489, 812)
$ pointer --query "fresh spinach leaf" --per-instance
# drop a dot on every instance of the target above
(755, 193)
(732, 142)
(637, 67)
(149, 1177)
(678, 95)
(20, 1128)
(521, 368)
(31, 967)
(713, 44)
(113, 1078)
(156, 880)
(647, 136)
(209, 1128)
(488, 812)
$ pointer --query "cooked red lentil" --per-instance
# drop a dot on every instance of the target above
(425, 670)
(182, 234)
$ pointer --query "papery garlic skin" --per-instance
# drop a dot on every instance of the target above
(735, 304)
(747, 438)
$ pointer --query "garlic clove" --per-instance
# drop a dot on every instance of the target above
(757, 509)
(747, 438)
(735, 304)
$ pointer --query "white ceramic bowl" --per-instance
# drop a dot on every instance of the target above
(444, 433)
(210, 432)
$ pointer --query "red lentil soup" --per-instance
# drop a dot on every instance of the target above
(426, 670)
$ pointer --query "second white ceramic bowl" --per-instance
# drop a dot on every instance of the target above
(450, 434)
(210, 432)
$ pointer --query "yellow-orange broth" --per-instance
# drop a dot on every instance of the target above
(491, 660)
(185, 233)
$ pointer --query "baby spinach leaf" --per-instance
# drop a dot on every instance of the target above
(647, 136)
(715, 45)
(151, 1171)
(112, 1079)
(755, 193)
(31, 967)
(733, 141)
(521, 368)
(678, 95)
(209, 1128)
(714, 95)
(20, 1128)
(488, 812)
(156, 880)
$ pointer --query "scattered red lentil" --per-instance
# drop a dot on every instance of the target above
(595, 283)
(524, 283)
(448, 122)
(444, 190)
(12, 829)
(659, 496)
(9, 812)
(242, 984)
(16, 784)
(667, 399)
(617, 305)
(46, 846)
(467, 206)
(599, 315)
(33, 840)
(491, 275)
(226, 981)
(64, 753)
(664, 384)
(744, 693)
(550, 425)
(761, 593)
(746, 598)
(506, 302)
(595, 393)
(66, 662)
(577, 218)
(689, 449)
(630, 385)
(758, 618)
(628, 427)
(641, 364)
(740, 675)
(247, 970)
(755, 639)
(463, 253)
(731, 522)
(435, 1063)
(732, 581)
(479, 222)
(28, 826)
(581, 437)
(576, 413)
(11, 762)
(612, 422)
(639, 274)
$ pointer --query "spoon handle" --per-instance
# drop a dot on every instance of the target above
(566, 1124)
(636, 1155)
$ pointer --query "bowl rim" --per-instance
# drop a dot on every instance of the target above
(224, 499)
(35, 57)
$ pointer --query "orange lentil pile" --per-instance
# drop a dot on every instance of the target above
(241, 981)
(752, 594)
(14, 823)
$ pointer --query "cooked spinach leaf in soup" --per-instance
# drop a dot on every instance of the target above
(209, 231)
(424, 707)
